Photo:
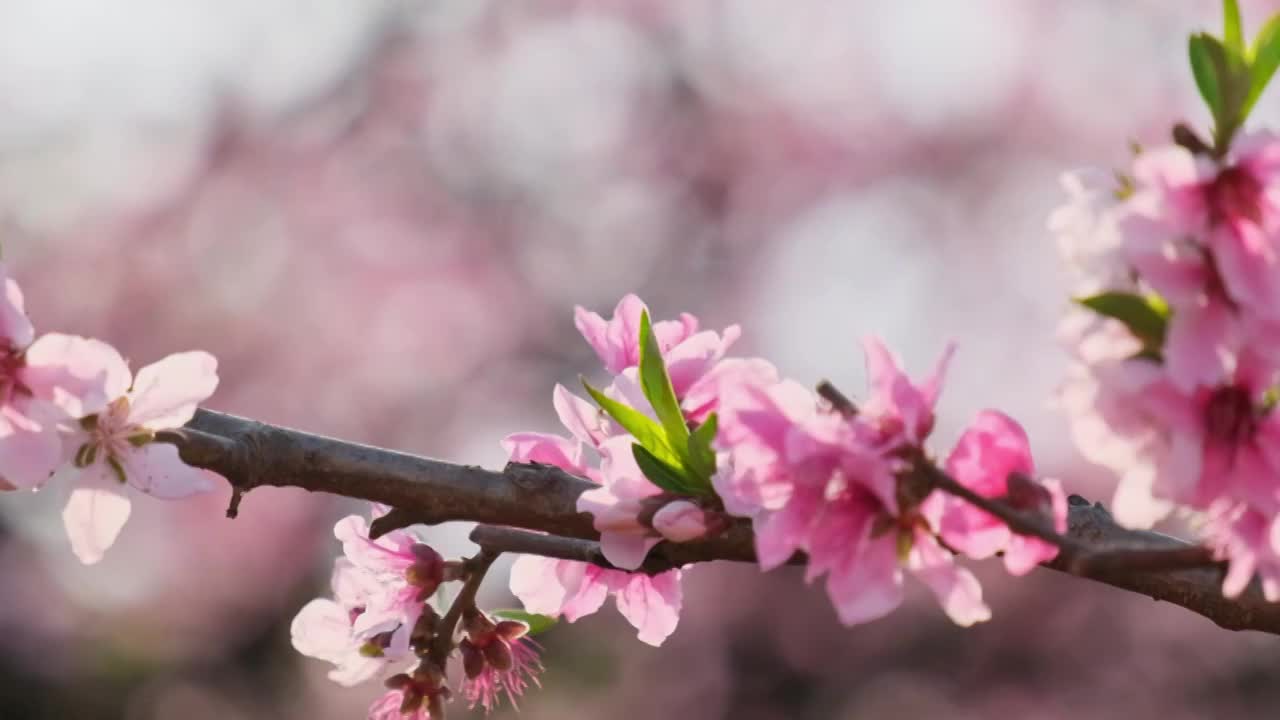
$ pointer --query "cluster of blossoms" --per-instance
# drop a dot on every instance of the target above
(850, 488)
(683, 443)
(73, 417)
(1177, 345)
(381, 623)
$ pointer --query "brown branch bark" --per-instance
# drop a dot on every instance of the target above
(543, 498)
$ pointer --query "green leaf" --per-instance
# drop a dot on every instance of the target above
(647, 432)
(538, 624)
(1224, 80)
(702, 458)
(657, 386)
(1146, 317)
(659, 472)
(1202, 67)
(1264, 58)
(1232, 34)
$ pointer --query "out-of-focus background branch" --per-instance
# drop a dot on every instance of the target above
(379, 214)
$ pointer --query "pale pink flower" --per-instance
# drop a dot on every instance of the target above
(45, 383)
(1249, 541)
(325, 629)
(993, 448)
(617, 504)
(651, 603)
(688, 353)
(1099, 397)
(758, 419)
(574, 589)
(1085, 228)
(116, 447)
(408, 571)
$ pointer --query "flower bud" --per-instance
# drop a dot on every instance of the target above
(498, 653)
(511, 630)
(472, 659)
(680, 521)
(427, 570)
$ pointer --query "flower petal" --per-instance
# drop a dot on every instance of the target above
(95, 512)
(165, 393)
(156, 469)
(79, 375)
(651, 605)
(30, 449)
(15, 326)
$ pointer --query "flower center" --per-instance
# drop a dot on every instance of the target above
(1229, 415)
(11, 363)
(1235, 193)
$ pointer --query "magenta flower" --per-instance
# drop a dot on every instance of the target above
(990, 451)
(826, 484)
(116, 448)
(900, 411)
(1203, 235)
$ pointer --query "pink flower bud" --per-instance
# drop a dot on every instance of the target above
(511, 630)
(680, 521)
(498, 654)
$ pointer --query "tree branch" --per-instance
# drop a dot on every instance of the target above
(543, 498)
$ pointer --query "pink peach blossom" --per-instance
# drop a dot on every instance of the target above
(574, 590)
(116, 447)
(993, 448)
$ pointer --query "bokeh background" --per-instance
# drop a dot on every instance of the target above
(379, 215)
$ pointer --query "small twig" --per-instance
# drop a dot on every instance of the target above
(442, 643)
(1144, 560)
(1018, 521)
(663, 557)
(838, 400)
